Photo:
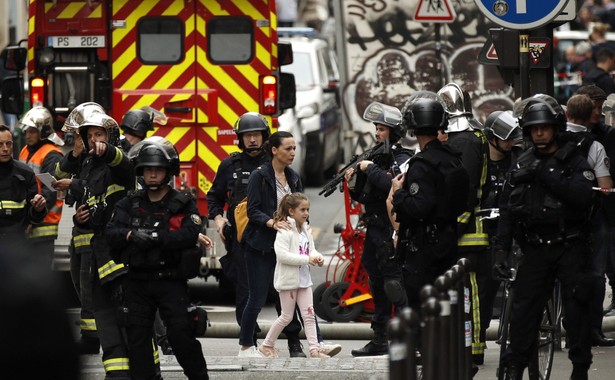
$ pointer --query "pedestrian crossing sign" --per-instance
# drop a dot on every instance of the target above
(435, 11)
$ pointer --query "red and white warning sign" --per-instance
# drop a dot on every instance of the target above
(435, 11)
(492, 54)
(537, 48)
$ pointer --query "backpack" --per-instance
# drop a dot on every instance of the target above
(241, 217)
(241, 213)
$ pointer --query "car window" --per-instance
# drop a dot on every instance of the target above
(301, 68)
(324, 78)
(329, 68)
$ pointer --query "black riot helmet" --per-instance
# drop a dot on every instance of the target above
(137, 123)
(379, 113)
(425, 114)
(501, 125)
(538, 112)
(250, 122)
(157, 155)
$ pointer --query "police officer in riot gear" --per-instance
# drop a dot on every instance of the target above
(230, 187)
(134, 125)
(465, 136)
(373, 183)
(545, 208)
(428, 198)
(156, 230)
(106, 175)
(503, 135)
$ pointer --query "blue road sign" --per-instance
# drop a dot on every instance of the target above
(521, 14)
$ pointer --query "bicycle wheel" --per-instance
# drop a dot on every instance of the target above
(317, 295)
(540, 365)
(331, 303)
(503, 339)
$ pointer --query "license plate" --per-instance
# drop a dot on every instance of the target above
(77, 41)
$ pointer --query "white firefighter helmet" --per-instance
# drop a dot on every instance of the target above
(76, 117)
(40, 118)
(458, 108)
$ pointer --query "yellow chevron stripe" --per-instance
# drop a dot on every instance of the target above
(231, 86)
(174, 9)
(206, 154)
(214, 7)
(263, 55)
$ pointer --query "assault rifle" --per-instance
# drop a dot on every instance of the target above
(380, 148)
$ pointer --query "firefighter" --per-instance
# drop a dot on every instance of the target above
(22, 205)
(465, 135)
(156, 229)
(372, 186)
(106, 175)
(427, 199)
(545, 206)
(41, 154)
(79, 248)
(134, 125)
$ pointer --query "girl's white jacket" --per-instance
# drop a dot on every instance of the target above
(286, 246)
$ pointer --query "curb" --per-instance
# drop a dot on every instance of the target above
(342, 331)
(347, 331)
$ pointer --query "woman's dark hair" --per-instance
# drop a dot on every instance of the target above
(275, 141)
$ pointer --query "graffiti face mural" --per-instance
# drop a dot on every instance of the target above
(390, 56)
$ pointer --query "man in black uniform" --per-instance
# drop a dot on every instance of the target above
(371, 188)
(427, 199)
(229, 187)
(465, 136)
(545, 207)
(156, 230)
(106, 175)
(503, 134)
(21, 203)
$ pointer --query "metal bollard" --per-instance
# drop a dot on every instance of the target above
(398, 352)
(410, 321)
(443, 284)
(454, 326)
(431, 310)
(459, 271)
(467, 358)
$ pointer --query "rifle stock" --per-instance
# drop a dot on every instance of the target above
(329, 187)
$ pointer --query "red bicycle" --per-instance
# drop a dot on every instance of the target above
(345, 295)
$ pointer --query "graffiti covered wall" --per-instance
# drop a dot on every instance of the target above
(390, 56)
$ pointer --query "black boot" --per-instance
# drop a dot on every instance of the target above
(514, 373)
(379, 345)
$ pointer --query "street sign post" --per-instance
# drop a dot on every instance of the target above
(521, 14)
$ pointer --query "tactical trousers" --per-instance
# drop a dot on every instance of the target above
(81, 271)
(383, 273)
(540, 266)
(111, 335)
(483, 290)
(170, 297)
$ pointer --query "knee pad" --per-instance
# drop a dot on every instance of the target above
(394, 291)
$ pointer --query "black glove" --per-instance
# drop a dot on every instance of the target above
(141, 239)
(526, 173)
(501, 268)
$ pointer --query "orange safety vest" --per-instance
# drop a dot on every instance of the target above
(49, 226)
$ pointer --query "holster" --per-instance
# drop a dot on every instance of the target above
(188, 262)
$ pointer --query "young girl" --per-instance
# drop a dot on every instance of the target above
(294, 250)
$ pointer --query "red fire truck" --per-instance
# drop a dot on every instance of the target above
(203, 63)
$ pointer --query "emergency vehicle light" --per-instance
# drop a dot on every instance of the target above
(37, 92)
(269, 94)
